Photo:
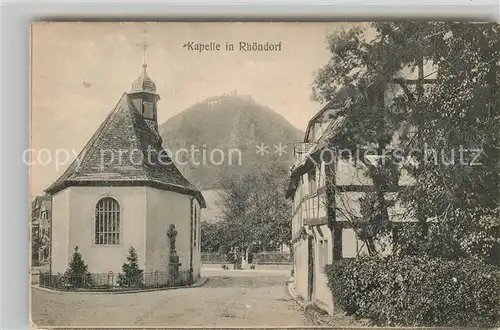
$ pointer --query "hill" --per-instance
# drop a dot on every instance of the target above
(225, 131)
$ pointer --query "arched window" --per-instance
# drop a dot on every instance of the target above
(107, 221)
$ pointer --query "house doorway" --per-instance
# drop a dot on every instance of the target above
(310, 268)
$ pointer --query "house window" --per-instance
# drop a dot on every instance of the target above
(107, 221)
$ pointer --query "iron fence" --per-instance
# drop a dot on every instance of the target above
(35, 278)
(113, 281)
(214, 258)
(272, 258)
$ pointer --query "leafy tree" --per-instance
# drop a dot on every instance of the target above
(440, 127)
(212, 237)
(131, 275)
(255, 211)
(459, 109)
(460, 116)
(361, 67)
(77, 274)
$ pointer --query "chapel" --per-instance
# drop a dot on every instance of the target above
(124, 190)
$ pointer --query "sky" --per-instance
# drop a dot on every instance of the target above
(80, 70)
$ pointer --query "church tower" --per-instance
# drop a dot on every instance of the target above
(143, 95)
(130, 201)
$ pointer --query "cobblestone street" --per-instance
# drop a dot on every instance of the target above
(229, 298)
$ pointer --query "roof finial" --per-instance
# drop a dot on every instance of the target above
(144, 46)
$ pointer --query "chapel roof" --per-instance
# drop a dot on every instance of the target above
(143, 84)
(125, 131)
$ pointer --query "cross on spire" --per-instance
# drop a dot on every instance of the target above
(144, 50)
(144, 45)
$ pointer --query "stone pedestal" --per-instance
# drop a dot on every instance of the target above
(173, 267)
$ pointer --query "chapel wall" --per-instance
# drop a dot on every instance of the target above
(163, 209)
(60, 231)
(107, 257)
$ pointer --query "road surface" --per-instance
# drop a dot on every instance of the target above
(229, 298)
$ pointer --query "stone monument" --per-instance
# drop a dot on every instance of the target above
(173, 258)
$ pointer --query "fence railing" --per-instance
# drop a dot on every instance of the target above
(35, 278)
(112, 281)
(278, 258)
(214, 258)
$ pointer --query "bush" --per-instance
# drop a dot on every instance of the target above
(132, 275)
(77, 274)
(252, 266)
(417, 291)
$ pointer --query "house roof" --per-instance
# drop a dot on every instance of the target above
(338, 101)
(38, 200)
(327, 139)
(331, 131)
(125, 151)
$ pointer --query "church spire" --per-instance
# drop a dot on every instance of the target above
(144, 84)
(143, 92)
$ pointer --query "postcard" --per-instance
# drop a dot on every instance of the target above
(341, 174)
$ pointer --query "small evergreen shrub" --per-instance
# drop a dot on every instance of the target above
(417, 291)
(77, 274)
(131, 275)
(252, 266)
